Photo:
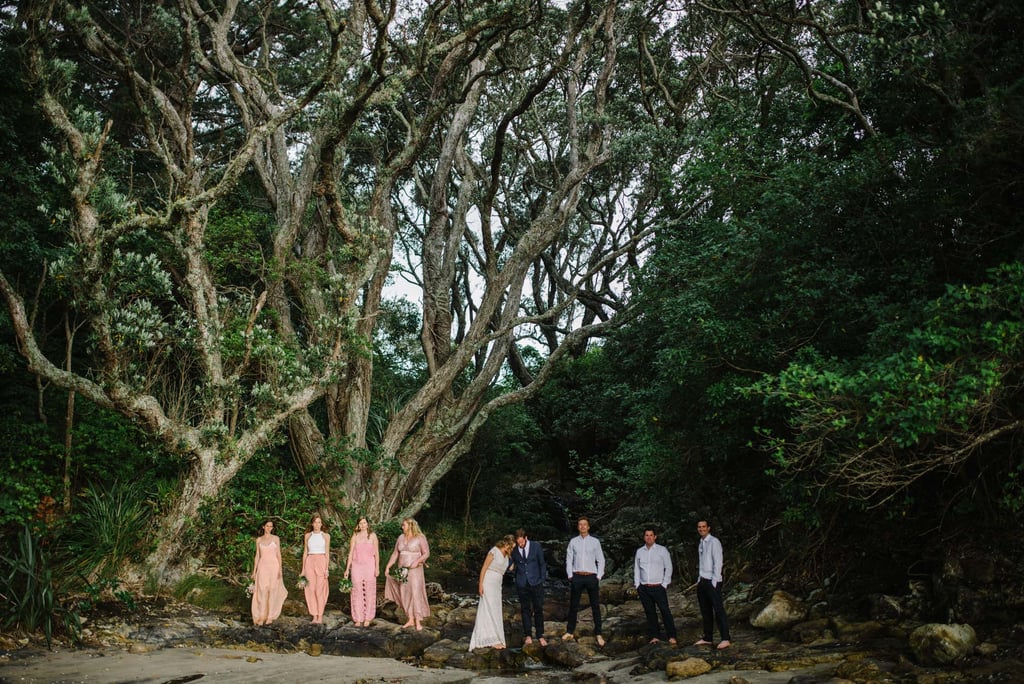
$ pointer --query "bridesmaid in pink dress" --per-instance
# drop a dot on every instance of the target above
(269, 592)
(411, 551)
(364, 564)
(316, 554)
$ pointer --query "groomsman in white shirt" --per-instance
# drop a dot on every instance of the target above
(584, 565)
(652, 573)
(709, 586)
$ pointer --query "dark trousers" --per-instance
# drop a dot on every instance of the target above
(577, 585)
(531, 601)
(656, 597)
(711, 608)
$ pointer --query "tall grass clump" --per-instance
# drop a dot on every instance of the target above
(29, 598)
(109, 528)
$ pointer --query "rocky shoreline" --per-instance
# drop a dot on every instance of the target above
(779, 639)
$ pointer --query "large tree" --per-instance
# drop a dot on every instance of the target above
(239, 178)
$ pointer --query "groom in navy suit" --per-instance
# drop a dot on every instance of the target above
(531, 572)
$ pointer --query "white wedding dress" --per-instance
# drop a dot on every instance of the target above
(489, 629)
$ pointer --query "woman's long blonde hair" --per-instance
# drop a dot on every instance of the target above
(414, 527)
(505, 545)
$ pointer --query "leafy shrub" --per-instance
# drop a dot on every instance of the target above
(28, 448)
(94, 592)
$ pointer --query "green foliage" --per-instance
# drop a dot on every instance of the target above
(387, 532)
(877, 423)
(1013, 490)
(94, 592)
(206, 592)
(26, 477)
(105, 448)
(110, 527)
(454, 552)
(29, 590)
(233, 245)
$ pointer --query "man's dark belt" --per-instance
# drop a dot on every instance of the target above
(580, 572)
(651, 585)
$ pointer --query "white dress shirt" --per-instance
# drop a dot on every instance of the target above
(584, 555)
(709, 563)
(652, 566)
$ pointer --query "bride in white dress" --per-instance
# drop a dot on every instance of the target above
(489, 629)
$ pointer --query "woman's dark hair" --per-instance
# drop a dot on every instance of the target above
(323, 526)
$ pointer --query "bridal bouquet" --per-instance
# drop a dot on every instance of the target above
(345, 586)
(301, 582)
(399, 574)
(250, 590)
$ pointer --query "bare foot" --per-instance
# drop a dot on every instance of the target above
(655, 640)
(543, 642)
(528, 640)
(701, 642)
(600, 641)
(407, 624)
(724, 644)
(673, 641)
(567, 636)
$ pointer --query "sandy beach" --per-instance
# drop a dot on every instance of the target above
(224, 666)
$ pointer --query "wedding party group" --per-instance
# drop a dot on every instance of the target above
(405, 583)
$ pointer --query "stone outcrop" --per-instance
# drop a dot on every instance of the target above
(690, 667)
(782, 610)
(937, 644)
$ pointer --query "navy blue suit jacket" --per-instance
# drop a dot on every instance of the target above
(534, 569)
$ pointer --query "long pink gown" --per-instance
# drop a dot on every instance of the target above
(364, 582)
(269, 592)
(315, 572)
(410, 596)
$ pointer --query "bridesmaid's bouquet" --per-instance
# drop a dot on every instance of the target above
(250, 590)
(302, 582)
(345, 586)
(399, 574)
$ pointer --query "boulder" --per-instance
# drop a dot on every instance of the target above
(407, 643)
(941, 644)
(449, 653)
(690, 667)
(813, 631)
(847, 630)
(885, 607)
(569, 654)
(783, 610)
